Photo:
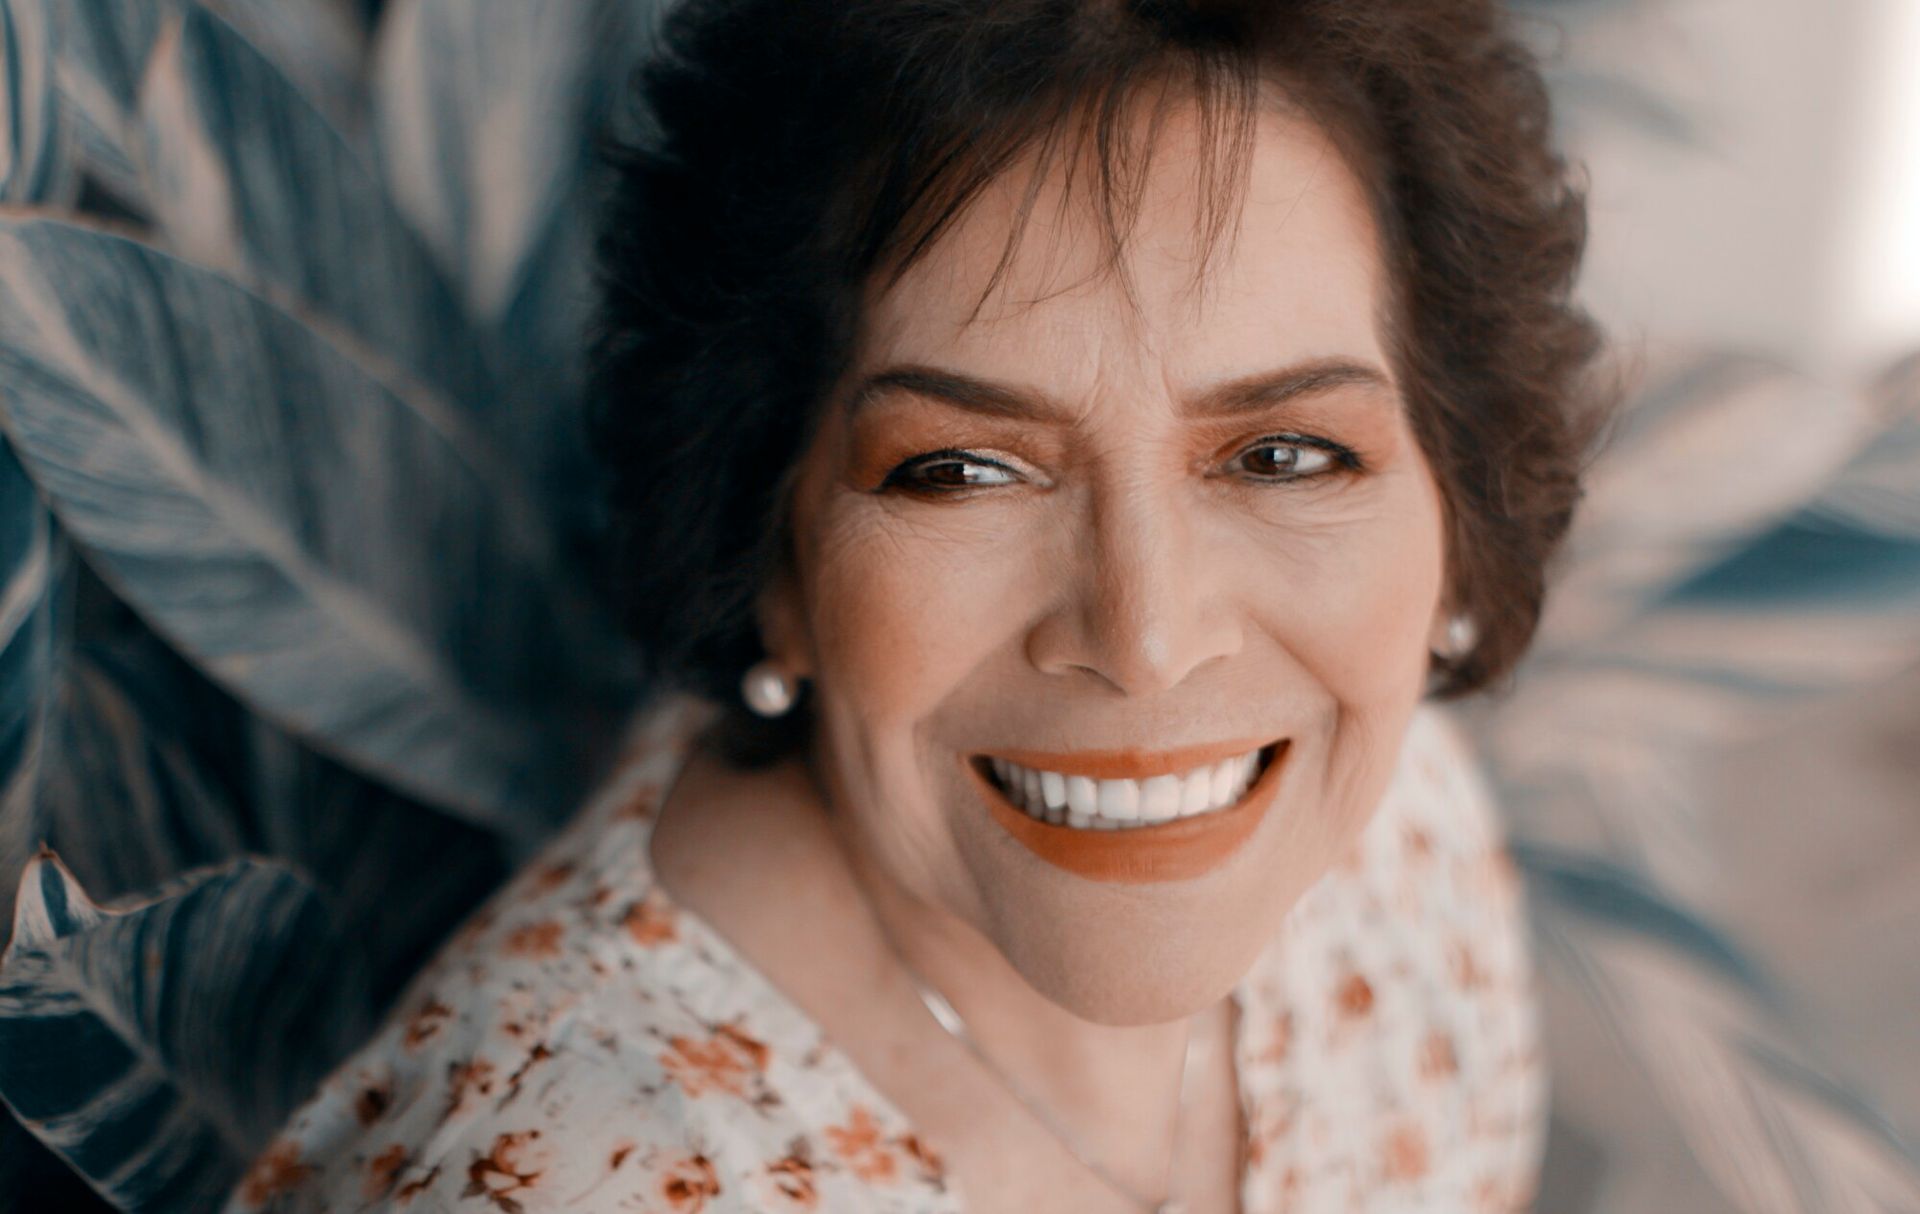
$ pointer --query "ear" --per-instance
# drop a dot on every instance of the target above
(780, 611)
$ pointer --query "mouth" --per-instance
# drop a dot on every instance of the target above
(1120, 818)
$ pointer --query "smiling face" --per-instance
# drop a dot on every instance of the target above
(1083, 535)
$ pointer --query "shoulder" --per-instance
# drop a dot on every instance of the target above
(1407, 977)
(541, 1051)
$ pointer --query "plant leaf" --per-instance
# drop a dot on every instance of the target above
(160, 1091)
(320, 45)
(34, 161)
(329, 547)
(193, 779)
(30, 556)
(485, 115)
(479, 112)
(243, 175)
(100, 48)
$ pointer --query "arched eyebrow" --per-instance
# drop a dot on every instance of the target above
(1244, 394)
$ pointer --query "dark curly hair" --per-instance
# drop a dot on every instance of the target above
(800, 148)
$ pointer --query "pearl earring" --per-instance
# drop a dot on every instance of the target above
(768, 689)
(1461, 635)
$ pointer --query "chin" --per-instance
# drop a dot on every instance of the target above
(1120, 977)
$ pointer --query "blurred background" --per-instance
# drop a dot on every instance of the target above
(1755, 193)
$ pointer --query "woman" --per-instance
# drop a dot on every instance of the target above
(1055, 446)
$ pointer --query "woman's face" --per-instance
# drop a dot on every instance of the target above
(1083, 533)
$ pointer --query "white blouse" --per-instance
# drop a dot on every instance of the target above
(583, 1043)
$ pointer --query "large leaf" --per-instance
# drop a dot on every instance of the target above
(321, 45)
(157, 1046)
(238, 169)
(100, 50)
(330, 547)
(241, 173)
(479, 110)
(485, 114)
(186, 777)
(190, 778)
(124, 750)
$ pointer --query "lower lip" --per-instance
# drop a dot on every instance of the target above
(1179, 850)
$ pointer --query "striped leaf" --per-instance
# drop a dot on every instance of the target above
(100, 49)
(237, 169)
(240, 173)
(480, 107)
(330, 547)
(34, 161)
(321, 46)
(194, 779)
(485, 114)
(156, 1046)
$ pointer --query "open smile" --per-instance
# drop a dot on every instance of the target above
(1122, 816)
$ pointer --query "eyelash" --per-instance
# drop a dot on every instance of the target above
(1344, 460)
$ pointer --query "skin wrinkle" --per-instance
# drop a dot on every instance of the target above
(1139, 598)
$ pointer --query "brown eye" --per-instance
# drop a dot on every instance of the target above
(948, 471)
(1293, 458)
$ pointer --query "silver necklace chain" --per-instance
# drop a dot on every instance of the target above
(949, 1020)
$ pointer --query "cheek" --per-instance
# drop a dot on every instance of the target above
(901, 611)
(1357, 601)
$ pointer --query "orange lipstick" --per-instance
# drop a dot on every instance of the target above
(1179, 850)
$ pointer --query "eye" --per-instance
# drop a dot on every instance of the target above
(948, 471)
(1281, 458)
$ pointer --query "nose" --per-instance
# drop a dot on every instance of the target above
(1142, 602)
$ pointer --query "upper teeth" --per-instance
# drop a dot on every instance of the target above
(1066, 800)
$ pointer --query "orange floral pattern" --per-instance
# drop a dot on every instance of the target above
(583, 1043)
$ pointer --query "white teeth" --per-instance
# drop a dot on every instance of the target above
(1082, 796)
(1120, 800)
(1088, 804)
(1196, 792)
(1222, 780)
(1160, 798)
(1053, 786)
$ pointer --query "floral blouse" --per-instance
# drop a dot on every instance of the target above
(583, 1043)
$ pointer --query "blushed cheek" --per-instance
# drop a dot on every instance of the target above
(1379, 610)
(1376, 652)
(900, 615)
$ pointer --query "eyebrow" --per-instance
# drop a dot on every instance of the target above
(1244, 394)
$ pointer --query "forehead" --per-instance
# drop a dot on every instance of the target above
(1296, 269)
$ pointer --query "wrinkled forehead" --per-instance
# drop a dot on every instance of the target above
(1286, 260)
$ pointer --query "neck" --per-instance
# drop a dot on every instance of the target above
(1116, 1089)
